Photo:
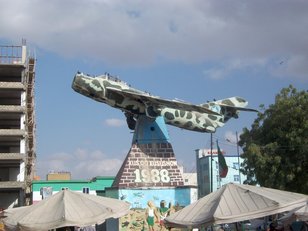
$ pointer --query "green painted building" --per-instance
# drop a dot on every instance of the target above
(42, 188)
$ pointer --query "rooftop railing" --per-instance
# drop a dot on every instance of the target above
(12, 54)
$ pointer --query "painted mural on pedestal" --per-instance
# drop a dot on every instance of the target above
(165, 201)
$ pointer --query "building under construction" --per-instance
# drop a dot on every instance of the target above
(17, 125)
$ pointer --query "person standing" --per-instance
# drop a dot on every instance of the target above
(163, 212)
(151, 212)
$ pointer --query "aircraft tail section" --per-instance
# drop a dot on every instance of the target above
(229, 107)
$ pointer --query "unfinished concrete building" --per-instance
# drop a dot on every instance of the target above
(17, 125)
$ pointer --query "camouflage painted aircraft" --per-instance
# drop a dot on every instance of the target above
(112, 91)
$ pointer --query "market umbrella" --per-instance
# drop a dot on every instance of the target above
(65, 208)
(233, 203)
(302, 213)
(296, 214)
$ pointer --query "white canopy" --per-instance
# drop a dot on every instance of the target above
(233, 203)
(65, 208)
(296, 214)
(302, 213)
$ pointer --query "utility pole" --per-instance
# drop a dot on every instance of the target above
(211, 228)
(211, 162)
(238, 158)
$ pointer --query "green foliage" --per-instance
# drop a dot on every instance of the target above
(276, 147)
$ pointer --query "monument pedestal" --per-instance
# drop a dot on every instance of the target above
(151, 161)
(150, 172)
(149, 165)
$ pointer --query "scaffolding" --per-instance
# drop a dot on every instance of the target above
(30, 129)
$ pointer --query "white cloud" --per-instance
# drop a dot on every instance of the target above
(115, 122)
(228, 67)
(142, 32)
(82, 164)
(216, 73)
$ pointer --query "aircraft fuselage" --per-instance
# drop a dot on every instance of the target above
(116, 93)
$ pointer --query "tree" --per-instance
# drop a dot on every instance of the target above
(276, 147)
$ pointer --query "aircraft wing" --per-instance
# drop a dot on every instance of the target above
(159, 102)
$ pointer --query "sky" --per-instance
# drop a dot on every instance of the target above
(195, 50)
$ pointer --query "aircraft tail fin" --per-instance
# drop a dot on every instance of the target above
(229, 108)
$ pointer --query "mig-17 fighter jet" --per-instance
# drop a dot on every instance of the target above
(114, 92)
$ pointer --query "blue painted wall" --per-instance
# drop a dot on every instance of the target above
(138, 198)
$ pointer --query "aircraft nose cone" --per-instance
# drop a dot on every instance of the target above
(79, 82)
(76, 82)
(86, 85)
